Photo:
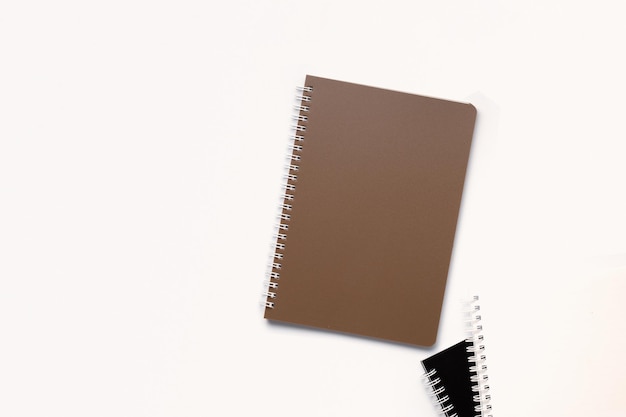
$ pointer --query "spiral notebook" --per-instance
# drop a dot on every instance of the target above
(372, 197)
(451, 379)
(457, 376)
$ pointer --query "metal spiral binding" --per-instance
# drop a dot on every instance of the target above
(289, 187)
(438, 394)
(482, 398)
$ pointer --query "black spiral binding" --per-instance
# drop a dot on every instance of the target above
(477, 357)
(289, 187)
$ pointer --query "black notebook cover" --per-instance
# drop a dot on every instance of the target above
(450, 370)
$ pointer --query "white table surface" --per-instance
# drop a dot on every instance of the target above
(141, 153)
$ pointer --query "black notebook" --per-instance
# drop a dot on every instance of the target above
(457, 376)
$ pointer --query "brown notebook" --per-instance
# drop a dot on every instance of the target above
(370, 211)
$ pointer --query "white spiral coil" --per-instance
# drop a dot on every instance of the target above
(437, 393)
(289, 187)
(478, 359)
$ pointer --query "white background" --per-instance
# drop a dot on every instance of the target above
(141, 153)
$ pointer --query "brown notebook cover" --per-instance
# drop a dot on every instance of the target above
(370, 211)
